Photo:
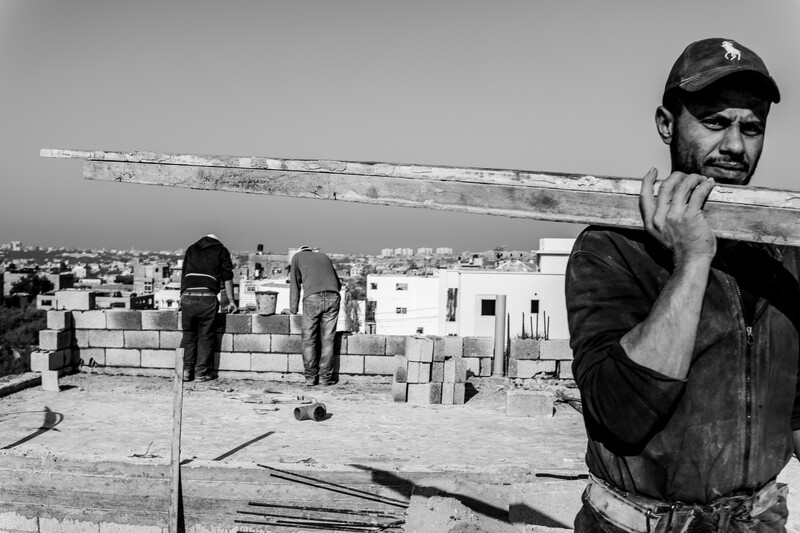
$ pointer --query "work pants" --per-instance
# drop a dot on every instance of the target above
(320, 315)
(199, 321)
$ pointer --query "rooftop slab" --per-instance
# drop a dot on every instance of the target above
(114, 431)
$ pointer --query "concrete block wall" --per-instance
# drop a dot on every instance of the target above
(133, 339)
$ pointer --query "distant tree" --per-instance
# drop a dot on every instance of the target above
(32, 284)
(124, 280)
(19, 333)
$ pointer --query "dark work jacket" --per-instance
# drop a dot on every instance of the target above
(726, 429)
(207, 264)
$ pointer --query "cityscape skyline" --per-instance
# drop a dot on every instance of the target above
(564, 87)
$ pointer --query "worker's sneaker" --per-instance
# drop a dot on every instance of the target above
(188, 375)
(206, 378)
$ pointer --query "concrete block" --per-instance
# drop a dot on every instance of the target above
(412, 372)
(269, 362)
(399, 391)
(89, 319)
(419, 348)
(141, 339)
(565, 370)
(296, 363)
(366, 345)
(473, 365)
(160, 320)
(124, 320)
(44, 360)
(169, 340)
(453, 393)
(524, 349)
(557, 349)
(158, 358)
(424, 372)
(453, 347)
(400, 369)
(351, 364)
(440, 348)
(80, 338)
(251, 342)
(278, 324)
(287, 344)
(478, 346)
(51, 339)
(295, 324)
(234, 361)
(123, 357)
(425, 393)
(447, 393)
(437, 372)
(50, 381)
(379, 365)
(529, 369)
(487, 366)
(104, 338)
(224, 342)
(395, 344)
(459, 393)
(237, 323)
(59, 320)
(529, 403)
(455, 370)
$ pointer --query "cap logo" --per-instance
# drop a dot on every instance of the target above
(731, 52)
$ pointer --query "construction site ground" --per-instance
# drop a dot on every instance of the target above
(477, 460)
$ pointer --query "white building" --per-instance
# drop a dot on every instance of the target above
(402, 305)
(554, 254)
(463, 301)
(444, 251)
(424, 251)
(387, 252)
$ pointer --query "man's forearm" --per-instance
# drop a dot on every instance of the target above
(229, 290)
(664, 342)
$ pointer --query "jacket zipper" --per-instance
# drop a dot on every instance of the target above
(748, 395)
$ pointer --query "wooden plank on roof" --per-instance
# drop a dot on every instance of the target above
(743, 213)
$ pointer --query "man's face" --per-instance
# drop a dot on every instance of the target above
(719, 133)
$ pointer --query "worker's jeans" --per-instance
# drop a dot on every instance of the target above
(320, 314)
(198, 320)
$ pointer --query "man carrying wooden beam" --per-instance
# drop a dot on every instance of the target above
(686, 346)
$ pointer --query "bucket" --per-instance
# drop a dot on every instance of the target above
(266, 302)
(314, 410)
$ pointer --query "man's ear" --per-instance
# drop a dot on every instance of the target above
(665, 124)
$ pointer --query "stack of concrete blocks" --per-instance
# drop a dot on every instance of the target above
(55, 349)
(431, 371)
(536, 358)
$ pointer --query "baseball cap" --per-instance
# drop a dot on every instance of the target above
(706, 61)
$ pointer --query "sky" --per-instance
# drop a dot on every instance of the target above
(566, 86)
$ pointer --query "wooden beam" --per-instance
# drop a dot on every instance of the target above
(742, 213)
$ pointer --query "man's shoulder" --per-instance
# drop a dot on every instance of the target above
(604, 236)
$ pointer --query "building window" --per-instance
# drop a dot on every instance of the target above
(369, 313)
(534, 306)
(401, 310)
(487, 307)
(401, 286)
(373, 286)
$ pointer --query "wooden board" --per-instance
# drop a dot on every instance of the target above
(742, 213)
